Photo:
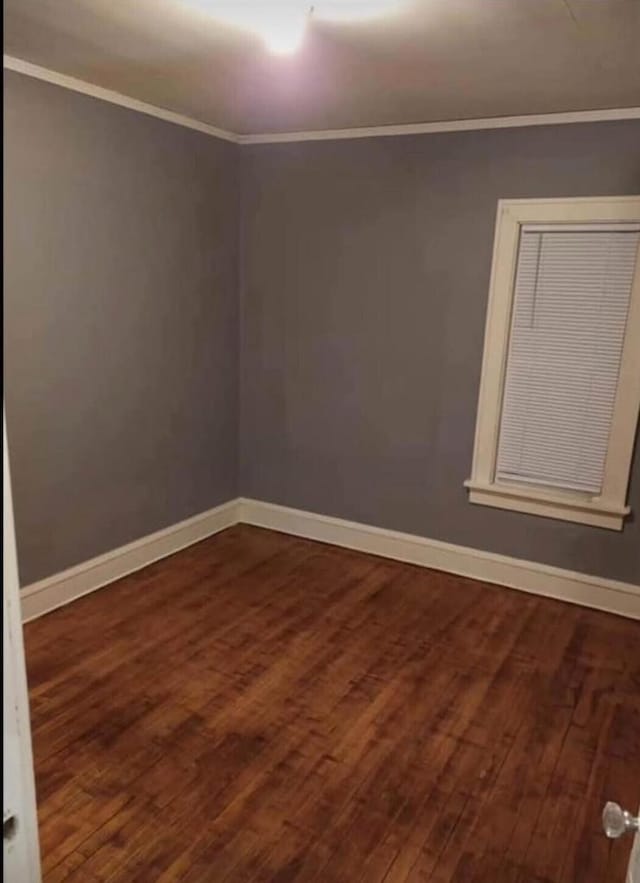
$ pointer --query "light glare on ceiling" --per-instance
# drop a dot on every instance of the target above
(282, 23)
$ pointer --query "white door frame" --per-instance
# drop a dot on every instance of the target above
(633, 874)
(21, 852)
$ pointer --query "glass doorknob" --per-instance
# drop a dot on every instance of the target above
(617, 821)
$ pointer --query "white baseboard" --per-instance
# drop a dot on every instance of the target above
(528, 576)
(55, 591)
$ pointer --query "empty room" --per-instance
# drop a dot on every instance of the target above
(321, 511)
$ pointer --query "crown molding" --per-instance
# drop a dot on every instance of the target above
(542, 119)
(469, 125)
(49, 76)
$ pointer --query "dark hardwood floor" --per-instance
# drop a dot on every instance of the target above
(264, 708)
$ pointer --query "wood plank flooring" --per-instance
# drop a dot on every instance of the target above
(264, 708)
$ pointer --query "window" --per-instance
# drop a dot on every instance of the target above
(560, 388)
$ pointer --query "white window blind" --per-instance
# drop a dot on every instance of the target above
(571, 302)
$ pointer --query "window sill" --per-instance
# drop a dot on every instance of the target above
(579, 508)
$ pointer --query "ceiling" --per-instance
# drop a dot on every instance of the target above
(432, 60)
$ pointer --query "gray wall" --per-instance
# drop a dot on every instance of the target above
(121, 323)
(360, 292)
(365, 277)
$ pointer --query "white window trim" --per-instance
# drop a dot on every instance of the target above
(608, 509)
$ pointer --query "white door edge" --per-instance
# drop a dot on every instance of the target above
(20, 853)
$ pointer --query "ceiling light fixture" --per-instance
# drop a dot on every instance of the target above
(282, 24)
